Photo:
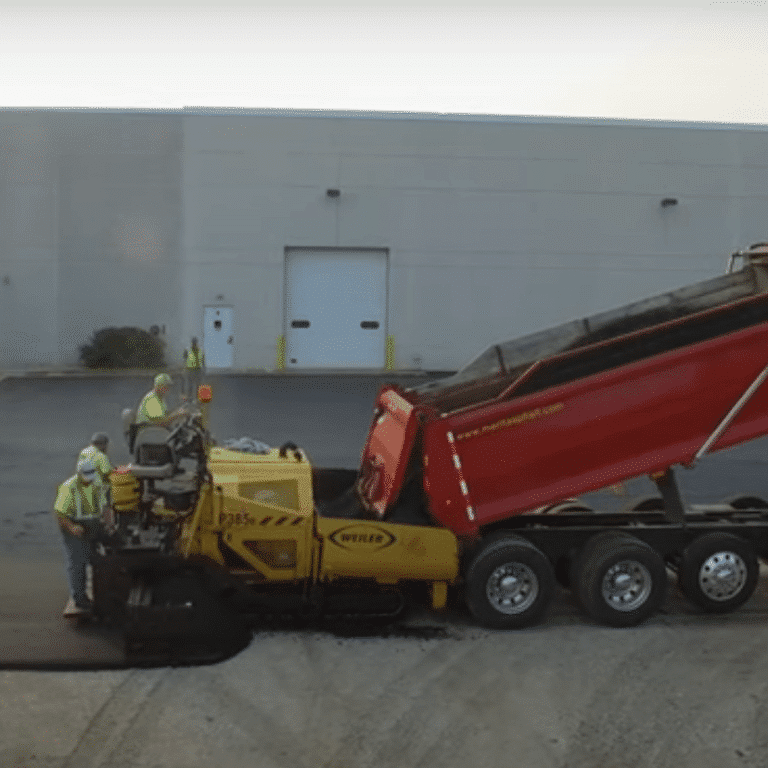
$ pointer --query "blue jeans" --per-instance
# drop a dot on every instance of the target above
(77, 556)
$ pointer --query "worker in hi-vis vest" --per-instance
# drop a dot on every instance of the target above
(153, 409)
(78, 512)
(194, 369)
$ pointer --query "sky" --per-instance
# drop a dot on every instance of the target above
(691, 61)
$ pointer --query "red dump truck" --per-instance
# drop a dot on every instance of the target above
(573, 409)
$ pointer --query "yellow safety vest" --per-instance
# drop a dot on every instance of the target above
(76, 501)
(151, 407)
(195, 359)
(103, 467)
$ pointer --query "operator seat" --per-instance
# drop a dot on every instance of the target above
(146, 442)
(151, 447)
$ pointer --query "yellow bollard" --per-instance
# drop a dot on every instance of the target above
(389, 365)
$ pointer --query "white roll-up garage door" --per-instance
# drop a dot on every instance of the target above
(335, 308)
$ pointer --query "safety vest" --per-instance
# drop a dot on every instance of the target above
(152, 406)
(76, 501)
(195, 358)
(103, 468)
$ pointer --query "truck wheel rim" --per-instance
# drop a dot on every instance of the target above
(722, 576)
(626, 585)
(512, 588)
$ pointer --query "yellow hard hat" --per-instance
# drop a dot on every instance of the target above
(163, 380)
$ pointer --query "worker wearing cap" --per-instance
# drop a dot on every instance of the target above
(77, 509)
(153, 409)
(96, 453)
(194, 368)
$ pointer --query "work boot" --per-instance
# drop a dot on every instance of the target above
(72, 610)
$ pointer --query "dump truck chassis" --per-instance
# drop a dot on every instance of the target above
(615, 564)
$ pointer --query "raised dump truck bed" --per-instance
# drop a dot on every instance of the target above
(580, 406)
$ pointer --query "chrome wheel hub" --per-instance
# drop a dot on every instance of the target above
(512, 588)
(626, 585)
(722, 576)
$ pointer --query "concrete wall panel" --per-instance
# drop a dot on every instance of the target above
(491, 226)
(28, 311)
(28, 217)
(119, 224)
(28, 241)
(752, 182)
(254, 291)
(233, 223)
(311, 170)
(310, 218)
(751, 147)
(494, 226)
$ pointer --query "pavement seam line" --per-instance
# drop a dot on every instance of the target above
(391, 705)
(108, 726)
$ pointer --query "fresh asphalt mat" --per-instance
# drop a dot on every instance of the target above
(34, 635)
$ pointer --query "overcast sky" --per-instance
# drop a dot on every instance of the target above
(693, 61)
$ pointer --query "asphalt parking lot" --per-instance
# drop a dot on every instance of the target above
(682, 690)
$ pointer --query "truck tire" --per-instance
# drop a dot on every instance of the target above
(620, 581)
(566, 507)
(644, 504)
(579, 557)
(509, 583)
(719, 572)
(742, 502)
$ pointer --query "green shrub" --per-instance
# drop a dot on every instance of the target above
(123, 348)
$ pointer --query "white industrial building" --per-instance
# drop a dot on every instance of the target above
(346, 240)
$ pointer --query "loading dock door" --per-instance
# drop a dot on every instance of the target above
(335, 308)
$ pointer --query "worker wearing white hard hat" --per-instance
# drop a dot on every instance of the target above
(77, 508)
(96, 453)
